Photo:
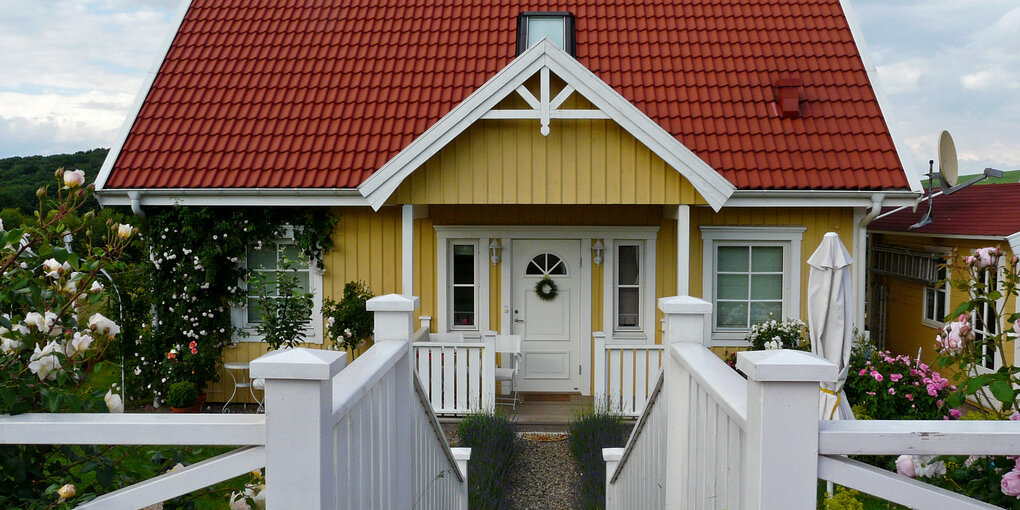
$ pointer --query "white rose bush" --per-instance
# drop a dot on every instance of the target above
(53, 331)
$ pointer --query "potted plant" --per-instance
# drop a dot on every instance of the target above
(182, 396)
(348, 322)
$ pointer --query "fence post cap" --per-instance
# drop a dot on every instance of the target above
(684, 304)
(786, 365)
(392, 303)
(461, 453)
(299, 363)
(612, 454)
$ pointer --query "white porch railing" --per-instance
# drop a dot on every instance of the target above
(758, 444)
(624, 374)
(457, 377)
(332, 437)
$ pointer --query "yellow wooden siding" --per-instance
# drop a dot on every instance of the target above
(905, 331)
(817, 221)
(580, 162)
(665, 269)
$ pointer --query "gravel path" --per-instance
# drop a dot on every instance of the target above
(545, 477)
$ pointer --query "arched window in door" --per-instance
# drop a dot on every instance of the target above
(546, 264)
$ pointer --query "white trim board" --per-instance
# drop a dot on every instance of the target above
(792, 266)
(267, 197)
(136, 106)
(545, 55)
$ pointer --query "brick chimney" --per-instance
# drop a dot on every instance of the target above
(787, 92)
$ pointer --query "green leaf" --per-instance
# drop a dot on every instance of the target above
(1001, 390)
(964, 307)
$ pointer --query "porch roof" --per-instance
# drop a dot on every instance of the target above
(259, 94)
(980, 211)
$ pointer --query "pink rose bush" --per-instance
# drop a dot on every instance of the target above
(889, 387)
(953, 337)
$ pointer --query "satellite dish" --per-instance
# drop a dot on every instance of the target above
(948, 165)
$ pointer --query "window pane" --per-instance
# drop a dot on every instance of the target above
(760, 311)
(463, 264)
(733, 258)
(733, 286)
(292, 253)
(539, 28)
(464, 306)
(766, 286)
(767, 259)
(264, 258)
(629, 307)
(732, 315)
(254, 310)
(627, 265)
(302, 279)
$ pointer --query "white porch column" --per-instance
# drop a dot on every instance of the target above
(683, 250)
(299, 425)
(781, 456)
(687, 320)
(407, 250)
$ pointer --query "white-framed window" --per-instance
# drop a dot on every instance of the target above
(558, 27)
(747, 274)
(936, 300)
(463, 285)
(627, 286)
(985, 324)
(267, 258)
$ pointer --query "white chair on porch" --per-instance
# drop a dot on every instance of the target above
(509, 349)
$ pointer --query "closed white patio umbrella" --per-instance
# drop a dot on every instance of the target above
(830, 320)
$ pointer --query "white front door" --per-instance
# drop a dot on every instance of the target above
(550, 328)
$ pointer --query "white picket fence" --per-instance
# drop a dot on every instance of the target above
(333, 436)
(624, 374)
(457, 377)
(758, 444)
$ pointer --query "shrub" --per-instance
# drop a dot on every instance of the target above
(182, 394)
(493, 442)
(348, 322)
(587, 434)
(888, 387)
(844, 499)
(286, 307)
(773, 334)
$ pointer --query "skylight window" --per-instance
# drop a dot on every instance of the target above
(558, 27)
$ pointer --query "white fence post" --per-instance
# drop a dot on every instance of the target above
(488, 402)
(299, 425)
(687, 320)
(612, 456)
(463, 455)
(599, 391)
(425, 321)
(781, 461)
(394, 322)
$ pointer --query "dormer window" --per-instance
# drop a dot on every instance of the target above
(558, 27)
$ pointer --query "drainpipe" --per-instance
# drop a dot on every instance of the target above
(136, 203)
(861, 257)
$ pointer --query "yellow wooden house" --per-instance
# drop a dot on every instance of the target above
(625, 151)
(908, 297)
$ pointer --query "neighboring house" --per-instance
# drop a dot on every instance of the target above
(907, 302)
(628, 150)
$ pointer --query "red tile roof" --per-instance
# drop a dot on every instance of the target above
(321, 93)
(984, 210)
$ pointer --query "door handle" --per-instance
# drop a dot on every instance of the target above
(517, 316)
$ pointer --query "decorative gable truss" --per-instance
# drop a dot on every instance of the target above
(543, 108)
(545, 59)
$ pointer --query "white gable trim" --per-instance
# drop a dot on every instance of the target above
(136, 107)
(713, 187)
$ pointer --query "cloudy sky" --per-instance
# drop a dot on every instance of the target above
(69, 71)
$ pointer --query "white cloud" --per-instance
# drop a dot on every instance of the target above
(71, 69)
(950, 65)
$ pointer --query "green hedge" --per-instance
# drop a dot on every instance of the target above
(587, 435)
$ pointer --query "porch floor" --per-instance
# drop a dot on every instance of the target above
(541, 412)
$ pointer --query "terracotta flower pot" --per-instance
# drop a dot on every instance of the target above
(192, 409)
